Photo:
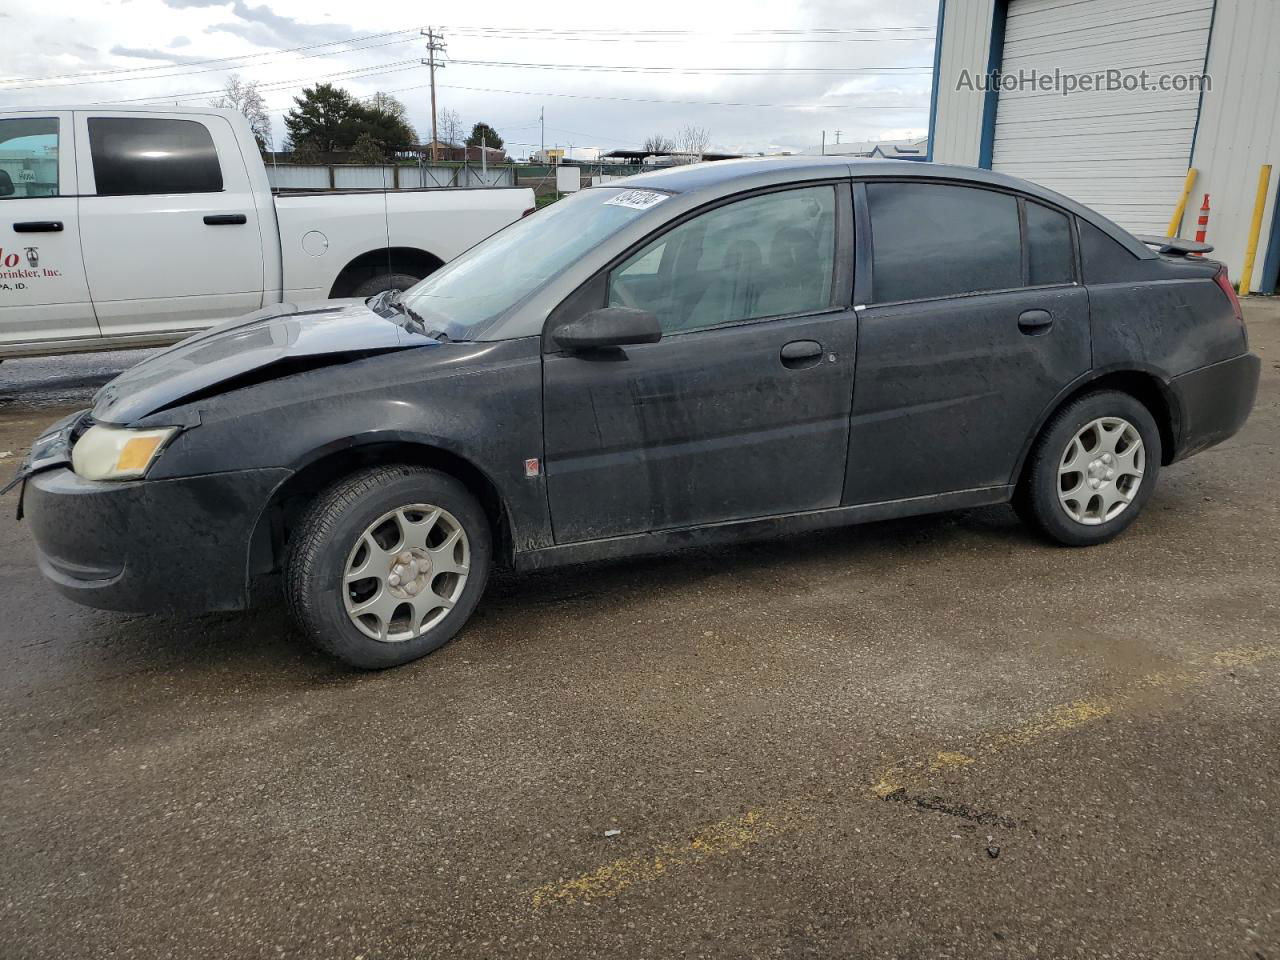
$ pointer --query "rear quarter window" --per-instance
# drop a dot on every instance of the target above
(1103, 259)
(135, 156)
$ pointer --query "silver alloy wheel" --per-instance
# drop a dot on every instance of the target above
(405, 572)
(1101, 470)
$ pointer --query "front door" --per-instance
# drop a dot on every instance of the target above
(169, 220)
(742, 409)
(43, 294)
(974, 325)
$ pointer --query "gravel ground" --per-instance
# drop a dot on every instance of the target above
(933, 738)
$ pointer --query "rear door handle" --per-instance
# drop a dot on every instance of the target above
(38, 226)
(226, 219)
(801, 353)
(1032, 322)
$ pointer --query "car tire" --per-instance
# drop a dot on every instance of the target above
(1113, 440)
(384, 281)
(424, 542)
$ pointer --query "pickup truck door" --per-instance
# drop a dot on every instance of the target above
(43, 294)
(168, 220)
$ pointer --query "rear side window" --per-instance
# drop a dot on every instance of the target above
(28, 157)
(1048, 246)
(134, 156)
(1103, 259)
(939, 240)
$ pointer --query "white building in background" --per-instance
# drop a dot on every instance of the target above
(913, 149)
(1124, 152)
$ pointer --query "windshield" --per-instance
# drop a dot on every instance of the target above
(500, 272)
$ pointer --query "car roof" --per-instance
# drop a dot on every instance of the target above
(718, 177)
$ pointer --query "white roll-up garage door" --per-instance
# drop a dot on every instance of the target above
(1124, 153)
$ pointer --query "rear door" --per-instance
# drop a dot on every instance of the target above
(742, 409)
(43, 294)
(974, 321)
(169, 223)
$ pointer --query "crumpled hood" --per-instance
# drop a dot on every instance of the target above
(237, 347)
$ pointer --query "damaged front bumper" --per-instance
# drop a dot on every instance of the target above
(148, 546)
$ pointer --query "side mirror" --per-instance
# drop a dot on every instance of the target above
(608, 327)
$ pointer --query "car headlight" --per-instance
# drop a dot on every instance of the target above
(117, 453)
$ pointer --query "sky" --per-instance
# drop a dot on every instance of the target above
(757, 77)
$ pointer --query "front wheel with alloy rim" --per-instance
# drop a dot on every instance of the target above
(387, 565)
(1092, 470)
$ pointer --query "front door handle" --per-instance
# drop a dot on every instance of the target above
(801, 353)
(1033, 322)
(38, 226)
(226, 219)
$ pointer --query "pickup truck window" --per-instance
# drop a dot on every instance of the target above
(28, 157)
(135, 156)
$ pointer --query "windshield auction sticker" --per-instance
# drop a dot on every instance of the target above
(637, 199)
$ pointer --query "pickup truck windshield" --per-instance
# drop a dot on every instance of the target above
(498, 273)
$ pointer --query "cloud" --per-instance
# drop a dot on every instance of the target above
(180, 42)
(188, 4)
(142, 53)
(263, 26)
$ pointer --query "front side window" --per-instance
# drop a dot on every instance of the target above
(28, 157)
(135, 156)
(1049, 254)
(766, 256)
(939, 240)
(470, 293)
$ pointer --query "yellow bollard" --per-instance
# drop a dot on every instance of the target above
(1251, 251)
(1176, 223)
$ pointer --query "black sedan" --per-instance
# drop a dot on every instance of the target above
(710, 353)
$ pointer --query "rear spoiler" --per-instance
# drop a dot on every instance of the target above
(1176, 245)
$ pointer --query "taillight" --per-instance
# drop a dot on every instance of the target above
(1224, 282)
(527, 212)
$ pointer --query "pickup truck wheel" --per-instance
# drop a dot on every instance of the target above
(384, 281)
(387, 565)
(1092, 470)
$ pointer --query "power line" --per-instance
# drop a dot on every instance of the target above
(769, 31)
(520, 35)
(723, 71)
(698, 103)
(34, 82)
(358, 73)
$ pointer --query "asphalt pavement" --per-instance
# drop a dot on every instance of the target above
(921, 739)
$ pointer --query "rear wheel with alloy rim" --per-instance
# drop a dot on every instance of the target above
(1092, 470)
(388, 564)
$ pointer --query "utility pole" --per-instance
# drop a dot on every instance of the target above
(838, 132)
(824, 143)
(435, 44)
(542, 125)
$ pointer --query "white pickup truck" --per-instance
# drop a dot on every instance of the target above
(136, 227)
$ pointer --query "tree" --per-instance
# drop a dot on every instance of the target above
(306, 152)
(658, 144)
(367, 150)
(449, 126)
(694, 140)
(245, 97)
(483, 131)
(318, 117)
(383, 129)
(393, 107)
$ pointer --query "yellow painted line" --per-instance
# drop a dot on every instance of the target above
(912, 771)
(718, 839)
(735, 833)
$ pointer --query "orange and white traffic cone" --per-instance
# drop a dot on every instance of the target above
(1203, 223)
